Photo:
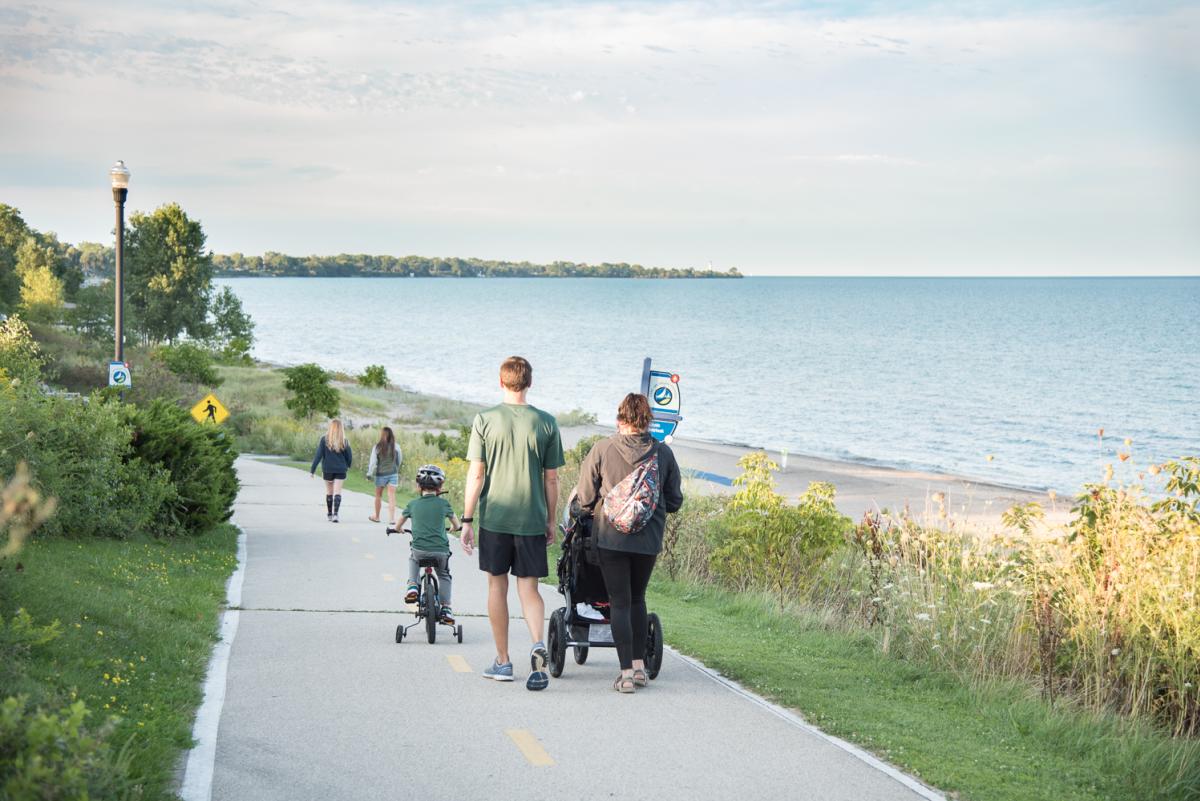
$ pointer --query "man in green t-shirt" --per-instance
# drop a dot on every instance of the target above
(515, 452)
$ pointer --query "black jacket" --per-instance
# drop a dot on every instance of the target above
(606, 465)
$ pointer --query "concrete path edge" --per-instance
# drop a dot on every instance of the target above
(201, 759)
(796, 720)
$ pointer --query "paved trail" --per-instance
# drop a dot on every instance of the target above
(321, 703)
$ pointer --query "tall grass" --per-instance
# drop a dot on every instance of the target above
(1100, 613)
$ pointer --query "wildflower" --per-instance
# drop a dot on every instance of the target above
(923, 616)
(1108, 473)
(990, 457)
(1102, 433)
(938, 497)
(1128, 442)
(985, 621)
(1116, 651)
(1052, 494)
(980, 586)
(1153, 469)
(1123, 456)
(1187, 685)
(935, 647)
(100, 633)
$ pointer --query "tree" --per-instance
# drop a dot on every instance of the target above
(168, 275)
(41, 294)
(310, 389)
(231, 331)
(41, 290)
(13, 233)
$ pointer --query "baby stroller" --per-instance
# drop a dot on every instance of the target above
(583, 623)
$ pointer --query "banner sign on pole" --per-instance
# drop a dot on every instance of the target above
(662, 389)
(119, 375)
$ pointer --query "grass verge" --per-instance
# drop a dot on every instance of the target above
(138, 619)
(988, 743)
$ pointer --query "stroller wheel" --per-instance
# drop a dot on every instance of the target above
(458, 632)
(557, 643)
(400, 633)
(581, 653)
(654, 646)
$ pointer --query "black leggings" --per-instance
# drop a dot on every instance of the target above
(626, 576)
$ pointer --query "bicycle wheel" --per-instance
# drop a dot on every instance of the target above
(429, 593)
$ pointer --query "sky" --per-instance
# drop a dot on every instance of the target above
(828, 138)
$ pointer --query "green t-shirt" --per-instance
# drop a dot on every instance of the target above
(516, 443)
(428, 514)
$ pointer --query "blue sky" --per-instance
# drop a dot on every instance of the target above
(822, 138)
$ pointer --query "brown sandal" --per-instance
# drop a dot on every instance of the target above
(640, 678)
(623, 684)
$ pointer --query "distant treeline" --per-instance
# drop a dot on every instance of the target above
(351, 264)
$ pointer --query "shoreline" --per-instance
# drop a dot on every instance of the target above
(861, 486)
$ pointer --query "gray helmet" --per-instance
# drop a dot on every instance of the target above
(430, 477)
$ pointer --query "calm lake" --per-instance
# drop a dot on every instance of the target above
(932, 373)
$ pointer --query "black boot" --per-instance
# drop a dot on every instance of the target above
(337, 504)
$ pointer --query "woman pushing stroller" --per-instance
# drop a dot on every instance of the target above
(616, 478)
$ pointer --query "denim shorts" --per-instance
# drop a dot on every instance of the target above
(383, 481)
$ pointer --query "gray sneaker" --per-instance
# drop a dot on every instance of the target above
(538, 679)
(499, 672)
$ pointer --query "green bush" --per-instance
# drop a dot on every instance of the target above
(198, 459)
(374, 376)
(20, 357)
(452, 446)
(576, 417)
(51, 756)
(92, 317)
(79, 454)
(310, 389)
(763, 542)
(190, 362)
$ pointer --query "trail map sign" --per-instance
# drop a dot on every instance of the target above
(210, 410)
(119, 375)
(663, 391)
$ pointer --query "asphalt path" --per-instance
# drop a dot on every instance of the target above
(322, 703)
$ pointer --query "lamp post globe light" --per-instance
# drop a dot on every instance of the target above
(120, 189)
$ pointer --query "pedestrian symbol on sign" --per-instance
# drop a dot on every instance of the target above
(210, 410)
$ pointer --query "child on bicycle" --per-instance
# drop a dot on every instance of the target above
(429, 513)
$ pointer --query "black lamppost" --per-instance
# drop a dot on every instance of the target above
(120, 188)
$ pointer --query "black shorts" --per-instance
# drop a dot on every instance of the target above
(523, 556)
(334, 476)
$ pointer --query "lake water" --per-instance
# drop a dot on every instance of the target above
(929, 373)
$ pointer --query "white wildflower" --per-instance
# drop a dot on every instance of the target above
(924, 616)
(1116, 651)
(985, 621)
(982, 585)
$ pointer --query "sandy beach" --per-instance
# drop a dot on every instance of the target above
(860, 488)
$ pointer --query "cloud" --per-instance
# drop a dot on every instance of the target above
(561, 131)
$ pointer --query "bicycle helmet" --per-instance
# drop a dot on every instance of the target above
(430, 477)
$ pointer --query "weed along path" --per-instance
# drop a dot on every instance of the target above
(321, 702)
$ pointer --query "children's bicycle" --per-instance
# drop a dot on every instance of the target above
(429, 605)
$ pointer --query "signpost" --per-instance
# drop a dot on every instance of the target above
(119, 375)
(662, 389)
(210, 410)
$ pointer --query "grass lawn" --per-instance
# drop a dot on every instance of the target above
(138, 620)
(995, 743)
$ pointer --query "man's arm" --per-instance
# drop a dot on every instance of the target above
(475, 476)
(550, 484)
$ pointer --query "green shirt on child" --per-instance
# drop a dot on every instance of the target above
(428, 514)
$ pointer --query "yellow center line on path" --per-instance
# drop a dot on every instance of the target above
(368, 556)
(458, 663)
(388, 577)
(530, 747)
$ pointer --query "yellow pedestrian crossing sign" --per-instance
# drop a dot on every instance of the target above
(210, 410)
